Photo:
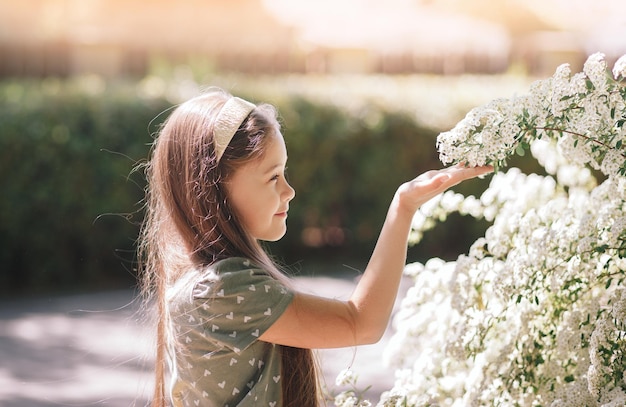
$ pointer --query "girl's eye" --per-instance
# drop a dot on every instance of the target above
(276, 176)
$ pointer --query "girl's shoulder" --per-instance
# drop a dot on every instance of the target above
(230, 276)
(231, 264)
(233, 268)
(202, 281)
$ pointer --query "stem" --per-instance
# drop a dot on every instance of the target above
(579, 135)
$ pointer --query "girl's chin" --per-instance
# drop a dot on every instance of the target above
(274, 237)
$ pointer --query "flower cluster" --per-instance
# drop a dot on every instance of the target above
(535, 313)
(584, 113)
(351, 397)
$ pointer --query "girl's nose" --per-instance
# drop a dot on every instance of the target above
(289, 193)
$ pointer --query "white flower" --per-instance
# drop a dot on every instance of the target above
(595, 69)
(578, 84)
(612, 162)
(619, 305)
(346, 399)
(345, 377)
(619, 69)
(560, 90)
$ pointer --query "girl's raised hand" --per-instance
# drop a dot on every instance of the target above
(414, 193)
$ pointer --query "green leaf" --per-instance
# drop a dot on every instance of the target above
(519, 150)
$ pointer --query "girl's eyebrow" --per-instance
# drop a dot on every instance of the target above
(274, 168)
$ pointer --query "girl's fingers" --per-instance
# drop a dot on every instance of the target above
(470, 172)
(434, 182)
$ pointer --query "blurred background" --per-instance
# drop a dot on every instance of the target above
(363, 88)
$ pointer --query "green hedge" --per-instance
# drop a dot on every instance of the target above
(66, 160)
(65, 189)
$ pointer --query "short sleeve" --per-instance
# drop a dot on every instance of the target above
(237, 302)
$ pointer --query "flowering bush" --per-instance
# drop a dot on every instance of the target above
(535, 313)
(353, 397)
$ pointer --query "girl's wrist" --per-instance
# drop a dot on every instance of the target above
(402, 206)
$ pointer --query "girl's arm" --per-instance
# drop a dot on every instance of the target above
(317, 322)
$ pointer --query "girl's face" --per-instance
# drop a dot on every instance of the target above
(260, 194)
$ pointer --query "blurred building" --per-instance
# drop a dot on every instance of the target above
(121, 37)
(125, 37)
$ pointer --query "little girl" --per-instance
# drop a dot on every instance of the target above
(231, 329)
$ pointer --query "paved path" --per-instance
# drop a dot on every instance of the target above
(91, 350)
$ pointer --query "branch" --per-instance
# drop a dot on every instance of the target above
(593, 140)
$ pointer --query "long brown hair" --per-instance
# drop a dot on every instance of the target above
(189, 224)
